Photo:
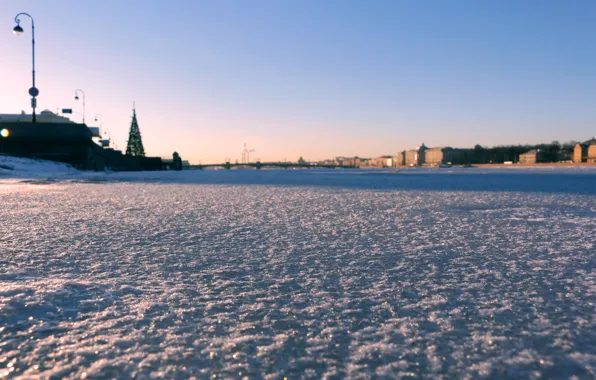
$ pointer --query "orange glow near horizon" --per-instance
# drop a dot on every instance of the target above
(290, 85)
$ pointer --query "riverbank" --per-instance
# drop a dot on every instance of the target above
(545, 165)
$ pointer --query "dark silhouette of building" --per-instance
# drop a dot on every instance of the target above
(70, 143)
(62, 142)
(177, 161)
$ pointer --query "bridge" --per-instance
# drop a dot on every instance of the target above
(261, 165)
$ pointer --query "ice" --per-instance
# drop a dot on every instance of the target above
(306, 273)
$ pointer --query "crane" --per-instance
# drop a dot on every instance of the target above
(246, 154)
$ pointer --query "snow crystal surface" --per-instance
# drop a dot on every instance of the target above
(299, 274)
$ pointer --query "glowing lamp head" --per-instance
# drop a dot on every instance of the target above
(17, 30)
(4, 133)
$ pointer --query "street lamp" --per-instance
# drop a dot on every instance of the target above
(100, 120)
(33, 91)
(77, 98)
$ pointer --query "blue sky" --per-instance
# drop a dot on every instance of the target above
(311, 78)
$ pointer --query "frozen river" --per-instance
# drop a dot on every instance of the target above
(275, 274)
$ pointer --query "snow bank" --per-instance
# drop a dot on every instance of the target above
(17, 167)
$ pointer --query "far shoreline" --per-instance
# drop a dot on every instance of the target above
(544, 165)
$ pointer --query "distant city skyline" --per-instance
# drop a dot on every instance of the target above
(309, 78)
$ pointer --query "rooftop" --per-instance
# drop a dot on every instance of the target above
(45, 116)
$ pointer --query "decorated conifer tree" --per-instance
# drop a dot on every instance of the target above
(135, 144)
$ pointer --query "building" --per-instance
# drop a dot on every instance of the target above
(445, 156)
(379, 162)
(400, 159)
(532, 157)
(416, 157)
(63, 142)
(585, 152)
(366, 162)
(580, 153)
(67, 142)
(592, 153)
(45, 116)
(385, 161)
(352, 162)
(174, 163)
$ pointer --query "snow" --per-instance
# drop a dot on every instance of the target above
(26, 167)
(309, 273)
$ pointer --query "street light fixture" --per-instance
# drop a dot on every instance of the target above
(4, 133)
(33, 91)
(105, 142)
(100, 120)
(77, 98)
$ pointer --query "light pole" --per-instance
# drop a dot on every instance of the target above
(100, 120)
(77, 98)
(102, 141)
(33, 91)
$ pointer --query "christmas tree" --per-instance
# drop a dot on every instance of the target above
(135, 144)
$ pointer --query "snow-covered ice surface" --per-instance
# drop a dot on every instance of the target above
(272, 274)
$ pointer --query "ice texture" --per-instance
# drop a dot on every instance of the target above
(299, 274)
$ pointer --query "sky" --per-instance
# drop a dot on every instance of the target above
(311, 78)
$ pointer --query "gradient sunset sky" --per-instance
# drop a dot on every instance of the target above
(310, 78)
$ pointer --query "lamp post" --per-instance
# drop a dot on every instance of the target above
(105, 141)
(33, 91)
(77, 98)
(100, 120)
(100, 124)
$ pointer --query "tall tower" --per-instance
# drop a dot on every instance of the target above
(135, 144)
